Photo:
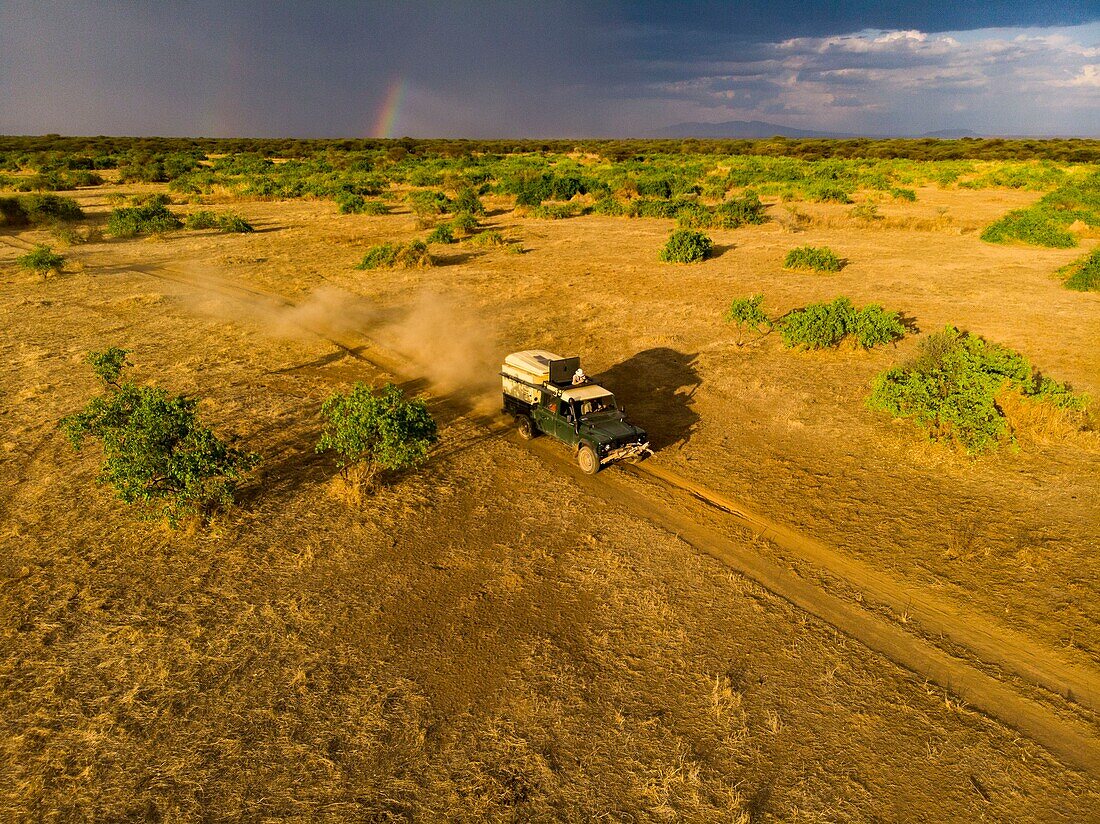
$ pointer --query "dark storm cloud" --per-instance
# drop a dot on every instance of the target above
(545, 69)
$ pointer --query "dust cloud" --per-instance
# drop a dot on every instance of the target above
(452, 347)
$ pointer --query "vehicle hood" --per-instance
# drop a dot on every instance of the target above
(611, 429)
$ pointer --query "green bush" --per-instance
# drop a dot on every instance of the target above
(1084, 274)
(873, 326)
(442, 234)
(154, 218)
(377, 430)
(36, 210)
(867, 212)
(382, 256)
(464, 223)
(350, 203)
(748, 313)
(235, 224)
(608, 206)
(1037, 227)
(824, 325)
(467, 201)
(413, 255)
(490, 238)
(1045, 223)
(951, 389)
(557, 211)
(730, 214)
(828, 193)
(899, 193)
(686, 246)
(819, 259)
(42, 260)
(203, 219)
(428, 203)
(817, 326)
(156, 450)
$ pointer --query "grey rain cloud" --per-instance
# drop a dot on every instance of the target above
(512, 69)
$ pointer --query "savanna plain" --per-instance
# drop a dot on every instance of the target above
(802, 606)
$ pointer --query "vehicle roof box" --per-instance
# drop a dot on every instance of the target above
(533, 363)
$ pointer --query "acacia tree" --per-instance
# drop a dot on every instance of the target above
(376, 430)
(156, 450)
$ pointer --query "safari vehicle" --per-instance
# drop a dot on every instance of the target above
(551, 395)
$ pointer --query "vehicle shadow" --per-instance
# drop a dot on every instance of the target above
(656, 386)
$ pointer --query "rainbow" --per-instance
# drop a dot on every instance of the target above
(391, 108)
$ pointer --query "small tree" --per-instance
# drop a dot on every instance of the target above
(376, 430)
(156, 450)
(42, 260)
(748, 313)
(686, 246)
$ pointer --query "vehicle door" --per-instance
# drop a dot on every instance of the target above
(548, 416)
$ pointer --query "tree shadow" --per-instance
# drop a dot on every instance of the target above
(719, 249)
(909, 322)
(455, 258)
(656, 386)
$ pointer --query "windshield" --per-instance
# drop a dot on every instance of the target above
(597, 406)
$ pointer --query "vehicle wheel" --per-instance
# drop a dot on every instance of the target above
(526, 427)
(588, 461)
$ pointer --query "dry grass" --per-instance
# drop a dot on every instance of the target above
(490, 640)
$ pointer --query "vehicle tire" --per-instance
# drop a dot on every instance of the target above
(587, 460)
(526, 427)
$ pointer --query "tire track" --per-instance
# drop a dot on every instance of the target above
(1073, 742)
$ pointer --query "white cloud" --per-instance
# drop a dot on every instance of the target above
(1008, 80)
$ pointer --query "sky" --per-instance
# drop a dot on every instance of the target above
(484, 69)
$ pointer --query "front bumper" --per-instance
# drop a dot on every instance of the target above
(630, 451)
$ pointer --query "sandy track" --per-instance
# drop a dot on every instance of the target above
(1073, 742)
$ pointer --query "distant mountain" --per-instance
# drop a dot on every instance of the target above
(742, 129)
(753, 129)
(951, 134)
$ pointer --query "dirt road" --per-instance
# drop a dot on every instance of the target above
(998, 671)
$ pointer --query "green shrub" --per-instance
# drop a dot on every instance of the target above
(824, 325)
(899, 193)
(36, 210)
(235, 224)
(375, 207)
(867, 212)
(819, 259)
(42, 260)
(873, 326)
(1034, 226)
(465, 223)
(442, 234)
(428, 203)
(142, 220)
(686, 246)
(748, 313)
(156, 450)
(490, 238)
(413, 255)
(382, 256)
(608, 206)
(828, 193)
(350, 203)
(817, 326)
(1084, 274)
(730, 214)
(377, 430)
(951, 389)
(1045, 223)
(557, 211)
(467, 201)
(203, 219)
